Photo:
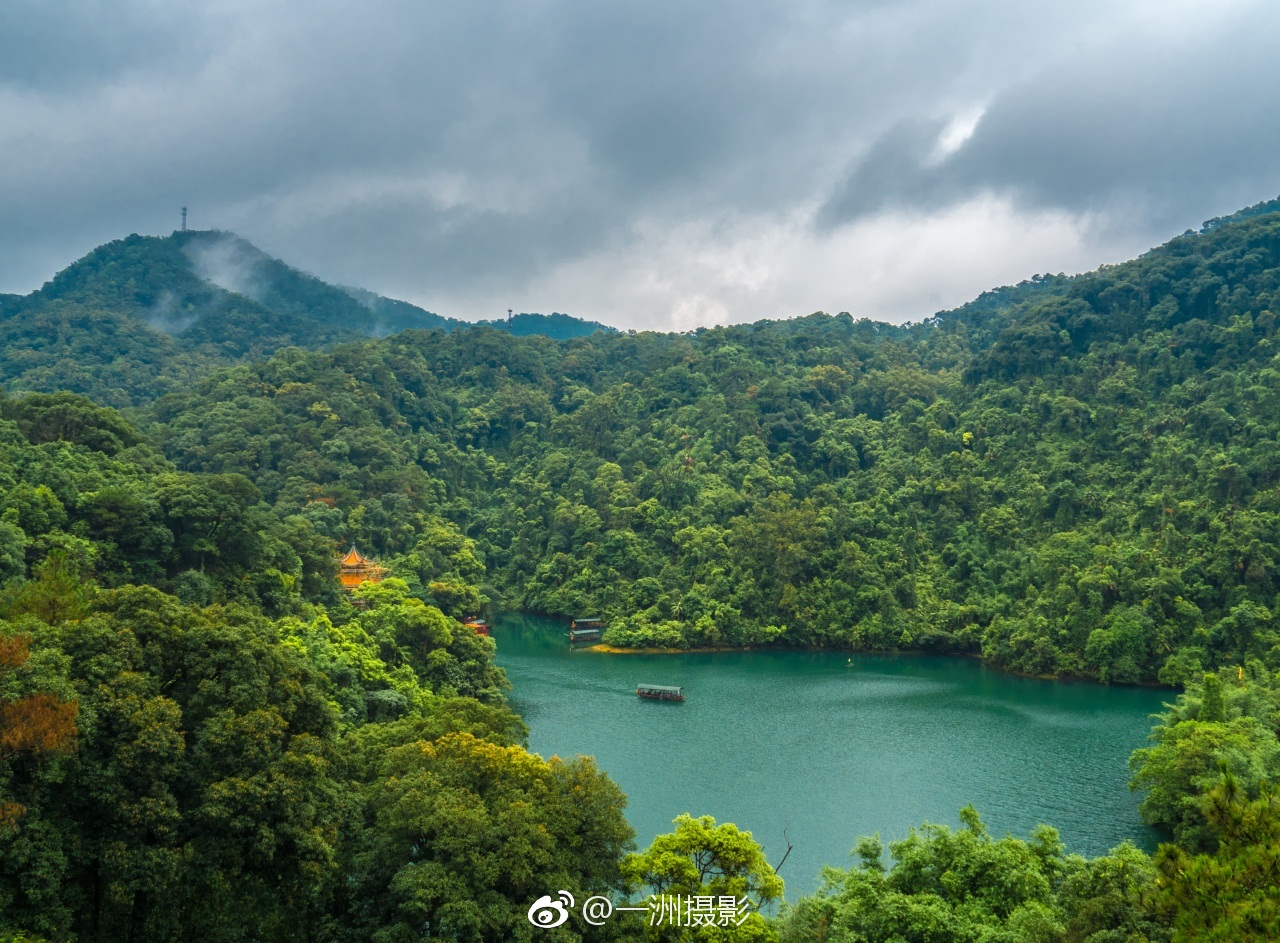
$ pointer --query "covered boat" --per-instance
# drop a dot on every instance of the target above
(660, 692)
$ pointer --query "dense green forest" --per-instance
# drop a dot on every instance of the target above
(268, 768)
(146, 315)
(202, 738)
(1075, 476)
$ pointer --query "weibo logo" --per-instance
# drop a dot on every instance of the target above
(547, 913)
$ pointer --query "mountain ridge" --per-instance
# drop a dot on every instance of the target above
(142, 316)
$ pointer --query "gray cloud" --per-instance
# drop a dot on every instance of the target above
(64, 45)
(1159, 129)
(715, 158)
(895, 172)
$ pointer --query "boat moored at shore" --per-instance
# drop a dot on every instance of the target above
(585, 629)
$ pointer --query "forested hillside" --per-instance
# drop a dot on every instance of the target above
(1074, 476)
(145, 315)
(229, 759)
(201, 738)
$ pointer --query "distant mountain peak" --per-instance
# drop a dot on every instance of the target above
(555, 325)
(136, 316)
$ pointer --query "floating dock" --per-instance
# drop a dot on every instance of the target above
(585, 629)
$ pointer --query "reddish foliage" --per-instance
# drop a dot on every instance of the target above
(10, 812)
(40, 723)
(14, 650)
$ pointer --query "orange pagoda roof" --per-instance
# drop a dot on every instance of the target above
(355, 568)
(354, 558)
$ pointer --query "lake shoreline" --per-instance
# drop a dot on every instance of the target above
(606, 649)
(701, 649)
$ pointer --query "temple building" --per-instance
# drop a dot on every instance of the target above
(354, 569)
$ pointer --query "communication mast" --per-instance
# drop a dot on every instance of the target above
(184, 219)
(508, 314)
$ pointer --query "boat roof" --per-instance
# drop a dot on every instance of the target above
(588, 619)
(659, 687)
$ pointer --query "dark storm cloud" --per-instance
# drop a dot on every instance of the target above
(471, 154)
(895, 172)
(66, 44)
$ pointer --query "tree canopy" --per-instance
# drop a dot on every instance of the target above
(202, 738)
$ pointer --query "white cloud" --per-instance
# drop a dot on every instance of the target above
(957, 131)
(895, 266)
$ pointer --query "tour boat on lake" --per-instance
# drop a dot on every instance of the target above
(660, 692)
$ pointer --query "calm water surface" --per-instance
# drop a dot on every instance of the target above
(831, 750)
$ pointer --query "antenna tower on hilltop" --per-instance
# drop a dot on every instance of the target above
(184, 219)
(508, 314)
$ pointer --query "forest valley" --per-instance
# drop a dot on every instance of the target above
(202, 738)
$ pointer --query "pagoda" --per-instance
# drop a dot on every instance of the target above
(354, 569)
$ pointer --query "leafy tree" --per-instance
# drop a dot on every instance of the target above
(38, 733)
(964, 885)
(1224, 720)
(52, 417)
(464, 835)
(703, 859)
(1228, 895)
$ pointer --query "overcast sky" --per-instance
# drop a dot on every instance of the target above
(651, 165)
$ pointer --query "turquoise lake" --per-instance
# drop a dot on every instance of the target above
(830, 748)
